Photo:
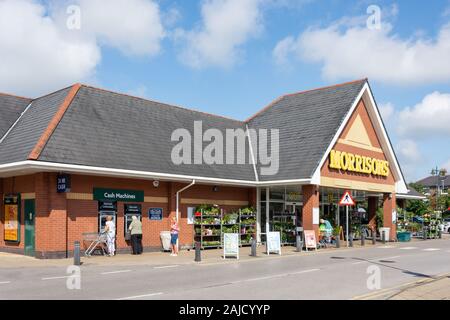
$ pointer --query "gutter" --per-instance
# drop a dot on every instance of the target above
(122, 173)
(178, 196)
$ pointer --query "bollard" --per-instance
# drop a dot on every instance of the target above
(299, 244)
(424, 233)
(440, 234)
(383, 237)
(338, 242)
(76, 254)
(363, 239)
(198, 254)
(253, 248)
(350, 240)
(374, 237)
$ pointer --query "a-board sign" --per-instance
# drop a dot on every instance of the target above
(310, 239)
(274, 242)
(230, 245)
(347, 199)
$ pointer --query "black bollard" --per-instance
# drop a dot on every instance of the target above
(298, 243)
(350, 240)
(253, 248)
(424, 233)
(383, 236)
(198, 254)
(76, 254)
(338, 242)
(374, 237)
(363, 239)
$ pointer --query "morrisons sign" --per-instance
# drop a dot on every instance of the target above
(350, 162)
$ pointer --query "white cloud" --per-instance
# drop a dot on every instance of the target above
(351, 50)
(39, 54)
(387, 110)
(410, 157)
(35, 55)
(132, 26)
(429, 117)
(226, 25)
(409, 150)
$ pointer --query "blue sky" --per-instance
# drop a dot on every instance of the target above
(232, 57)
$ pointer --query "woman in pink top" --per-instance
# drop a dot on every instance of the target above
(174, 230)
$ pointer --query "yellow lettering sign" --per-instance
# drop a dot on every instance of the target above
(346, 161)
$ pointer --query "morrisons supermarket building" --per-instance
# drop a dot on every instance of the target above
(72, 157)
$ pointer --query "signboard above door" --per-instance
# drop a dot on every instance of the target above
(102, 194)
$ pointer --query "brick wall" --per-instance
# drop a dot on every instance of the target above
(310, 201)
(61, 221)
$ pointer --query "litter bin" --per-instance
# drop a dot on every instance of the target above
(165, 240)
(386, 232)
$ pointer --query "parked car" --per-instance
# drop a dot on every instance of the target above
(446, 223)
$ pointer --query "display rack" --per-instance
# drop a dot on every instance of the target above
(208, 229)
(286, 225)
(247, 226)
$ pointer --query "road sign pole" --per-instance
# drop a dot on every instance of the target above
(346, 224)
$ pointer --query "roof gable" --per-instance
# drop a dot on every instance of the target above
(307, 123)
(26, 133)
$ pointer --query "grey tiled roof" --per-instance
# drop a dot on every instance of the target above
(307, 123)
(106, 129)
(10, 109)
(432, 181)
(411, 193)
(24, 136)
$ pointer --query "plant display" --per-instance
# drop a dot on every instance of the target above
(207, 210)
(248, 221)
(230, 218)
(248, 211)
(230, 229)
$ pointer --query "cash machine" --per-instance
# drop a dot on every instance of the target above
(131, 210)
(105, 209)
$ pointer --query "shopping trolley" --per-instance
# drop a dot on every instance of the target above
(97, 241)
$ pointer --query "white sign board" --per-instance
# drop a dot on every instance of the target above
(230, 245)
(190, 215)
(316, 212)
(274, 242)
(394, 216)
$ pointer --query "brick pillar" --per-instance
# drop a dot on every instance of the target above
(51, 218)
(252, 197)
(372, 211)
(389, 205)
(310, 201)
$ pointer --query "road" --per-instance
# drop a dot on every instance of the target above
(339, 274)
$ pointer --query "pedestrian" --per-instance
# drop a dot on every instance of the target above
(136, 235)
(174, 230)
(110, 230)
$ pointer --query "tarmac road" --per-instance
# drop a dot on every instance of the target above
(335, 274)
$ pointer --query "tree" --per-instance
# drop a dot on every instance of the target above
(418, 207)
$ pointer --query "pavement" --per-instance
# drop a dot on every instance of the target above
(413, 270)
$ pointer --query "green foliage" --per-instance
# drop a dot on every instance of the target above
(418, 207)
(380, 217)
(248, 211)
